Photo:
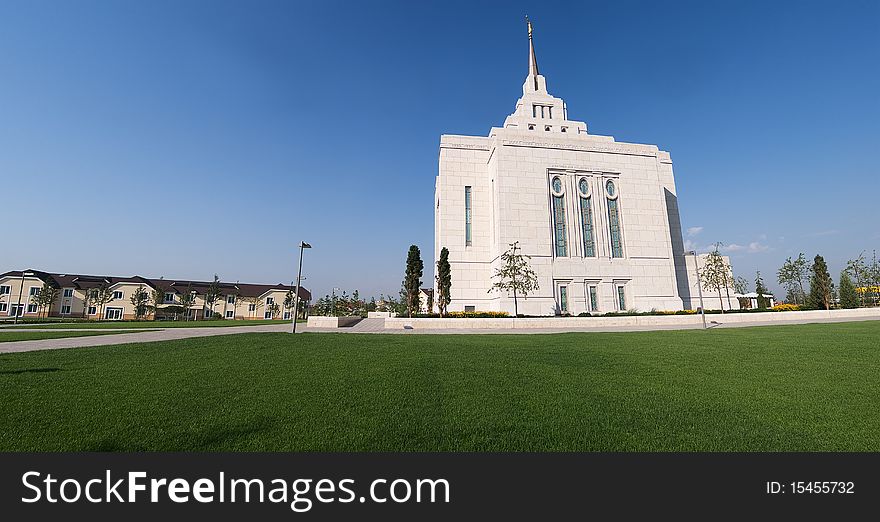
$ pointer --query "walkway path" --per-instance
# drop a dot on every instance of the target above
(131, 336)
(367, 326)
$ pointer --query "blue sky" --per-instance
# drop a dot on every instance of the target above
(185, 138)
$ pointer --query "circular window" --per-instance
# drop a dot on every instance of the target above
(609, 187)
(557, 185)
(584, 186)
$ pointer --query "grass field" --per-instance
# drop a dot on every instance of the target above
(24, 335)
(88, 325)
(779, 388)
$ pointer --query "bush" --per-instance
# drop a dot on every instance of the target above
(459, 315)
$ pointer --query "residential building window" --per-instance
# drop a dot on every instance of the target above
(208, 313)
(16, 310)
(559, 217)
(587, 218)
(230, 299)
(34, 290)
(168, 297)
(267, 315)
(32, 309)
(621, 298)
(594, 298)
(270, 300)
(4, 307)
(252, 307)
(230, 314)
(287, 316)
(5, 289)
(65, 309)
(93, 294)
(468, 240)
(117, 294)
(563, 299)
(613, 219)
(68, 292)
(93, 310)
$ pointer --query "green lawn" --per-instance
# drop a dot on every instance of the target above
(779, 388)
(148, 324)
(23, 335)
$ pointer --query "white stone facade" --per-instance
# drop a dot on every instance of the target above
(508, 177)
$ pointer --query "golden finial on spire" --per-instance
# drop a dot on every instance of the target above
(529, 23)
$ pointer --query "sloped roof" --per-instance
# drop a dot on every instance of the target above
(84, 282)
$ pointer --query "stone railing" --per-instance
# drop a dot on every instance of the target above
(662, 321)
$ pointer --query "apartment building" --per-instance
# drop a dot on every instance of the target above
(79, 296)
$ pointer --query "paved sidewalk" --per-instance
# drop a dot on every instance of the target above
(366, 327)
(132, 336)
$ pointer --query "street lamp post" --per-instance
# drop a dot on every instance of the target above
(699, 286)
(302, 246)
(19, 310)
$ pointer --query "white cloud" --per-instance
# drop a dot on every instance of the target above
(752, 248)
(693, 231)
(821, 233)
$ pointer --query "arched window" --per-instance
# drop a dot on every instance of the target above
(556, 189)
(613, 219)
(586, 218)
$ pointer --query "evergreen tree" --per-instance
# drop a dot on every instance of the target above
(412, 280)
(761, 290)
(848, 296)
(444, 281)
(820, 285)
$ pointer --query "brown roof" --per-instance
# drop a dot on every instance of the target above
(81, 281)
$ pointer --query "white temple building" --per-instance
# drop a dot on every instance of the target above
(599, 218)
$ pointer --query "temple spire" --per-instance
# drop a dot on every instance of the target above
(533, 62)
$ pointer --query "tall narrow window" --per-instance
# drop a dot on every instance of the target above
(587, 218)
(563, 299)
(467, 216)
(613, 219)
(621, 298)
(559, 218)
(594, 299)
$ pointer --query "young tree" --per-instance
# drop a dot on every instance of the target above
(273, 309)
(802, 272)
(860, 272)
(820, 285)
(87, 299)
(761, 290)
(444, 282)
(47, 295)
(158, 298)
(187, 299)
(788, 277)
(741, 285)
(849, 298)
(289, 301)
(140, 300)
(212, 294)
(102, 296)
(715, 275)
(412, 280)
(515, 275)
